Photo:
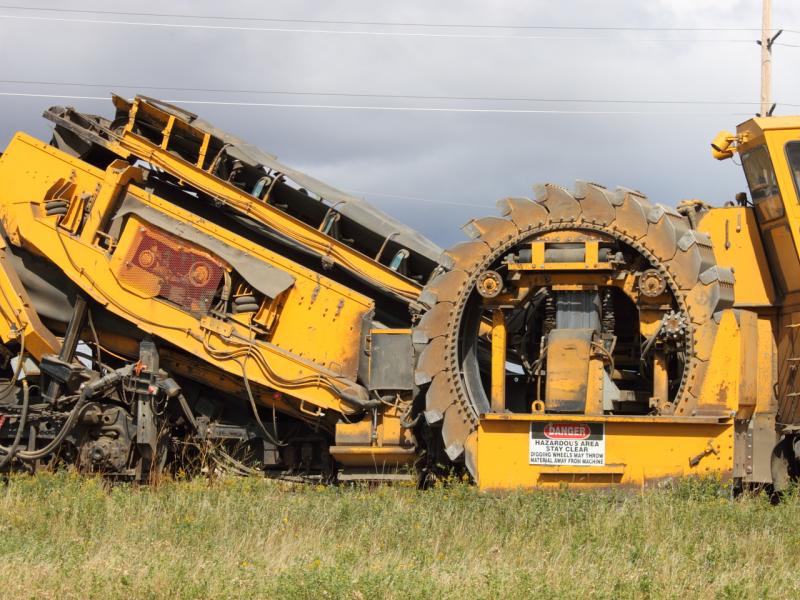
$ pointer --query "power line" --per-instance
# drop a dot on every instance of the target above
(368, 33)
(376, 23)
(382, 96)
(385, 108)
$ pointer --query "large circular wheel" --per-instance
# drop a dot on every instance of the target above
(451, 366)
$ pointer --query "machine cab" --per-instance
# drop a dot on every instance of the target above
(770, 153)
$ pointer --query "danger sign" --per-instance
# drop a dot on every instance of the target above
(578, 444)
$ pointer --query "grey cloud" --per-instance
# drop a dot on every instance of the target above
(462, 158)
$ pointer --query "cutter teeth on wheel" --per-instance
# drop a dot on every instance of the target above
(455, 431)
(525, 213)
(433, 324)
(491, 230)
(432, 361)
(445, 287)
(692, 389)
(697, 256)
(562, 206)
(630, 213)
(466, 255)
(714, 292)
(666, 228)
(595, 201)
(471, 453)
(622, 191)
(438, 398)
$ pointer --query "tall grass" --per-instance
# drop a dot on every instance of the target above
(71, 537)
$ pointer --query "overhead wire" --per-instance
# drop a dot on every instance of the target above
(384, 108)
(378, 108)
(371, 23)
(366, 23)
(474, 26)
(392, 96)
(279, 92)
(415, 34)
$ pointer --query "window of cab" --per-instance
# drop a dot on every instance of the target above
(759, 173)
(763, 184)
(793, 156)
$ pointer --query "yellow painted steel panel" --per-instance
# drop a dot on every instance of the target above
(307, 355)
(638, 451)
(737, 244)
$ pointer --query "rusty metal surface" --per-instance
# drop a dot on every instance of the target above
(391, 364)
(264, 277)
(569, 351)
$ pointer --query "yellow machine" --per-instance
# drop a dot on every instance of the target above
(170, 293)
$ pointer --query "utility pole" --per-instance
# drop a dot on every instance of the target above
(766, 57)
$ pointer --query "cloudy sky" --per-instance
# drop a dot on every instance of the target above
(432, 169)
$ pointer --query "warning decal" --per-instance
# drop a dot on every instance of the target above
(580, 444)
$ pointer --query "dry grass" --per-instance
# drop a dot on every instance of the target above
(70, 537)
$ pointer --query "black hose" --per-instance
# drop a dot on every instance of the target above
(56, 441)
(410, 424)
(352, 399)
(23, 421)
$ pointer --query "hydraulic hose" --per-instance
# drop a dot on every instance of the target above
(56, 441)
(23, 421)
(355, 400)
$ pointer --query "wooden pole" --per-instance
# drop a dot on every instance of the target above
(766, 57)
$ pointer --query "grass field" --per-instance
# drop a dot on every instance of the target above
(69, 537)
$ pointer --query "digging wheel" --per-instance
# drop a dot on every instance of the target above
(672, 260)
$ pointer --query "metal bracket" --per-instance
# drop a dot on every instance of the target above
(771, 41)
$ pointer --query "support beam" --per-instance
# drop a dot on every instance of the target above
(660, 377)
(70, 343)
(498, 361)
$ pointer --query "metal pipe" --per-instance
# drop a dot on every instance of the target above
(70, 343)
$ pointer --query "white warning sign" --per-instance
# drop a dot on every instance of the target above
(579, 444)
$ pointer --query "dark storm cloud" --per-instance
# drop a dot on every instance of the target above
(470, 159)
